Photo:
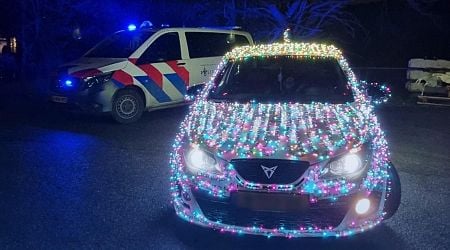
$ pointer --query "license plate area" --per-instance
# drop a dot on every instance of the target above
(270, 202)
(59, 99)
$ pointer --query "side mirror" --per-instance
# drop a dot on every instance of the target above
(194, 91)
(378, 92)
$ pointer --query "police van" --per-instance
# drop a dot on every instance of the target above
(143, 69)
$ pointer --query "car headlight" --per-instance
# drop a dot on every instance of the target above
(349, 166)
(97, 80)
(201, 161)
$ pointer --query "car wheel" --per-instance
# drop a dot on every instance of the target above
(394, 193)
(128, 106)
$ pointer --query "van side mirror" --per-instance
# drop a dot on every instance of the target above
(194, 91)
(378, 92)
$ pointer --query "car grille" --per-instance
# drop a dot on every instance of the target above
(322, 214)
(286, 171)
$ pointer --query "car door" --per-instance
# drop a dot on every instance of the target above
(206, 49)
(163, 71)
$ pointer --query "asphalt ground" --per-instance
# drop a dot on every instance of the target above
(80, 181)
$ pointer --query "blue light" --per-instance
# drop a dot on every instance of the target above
(131, 27)
(68, 83)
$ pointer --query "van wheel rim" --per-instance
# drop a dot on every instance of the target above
(126, 107)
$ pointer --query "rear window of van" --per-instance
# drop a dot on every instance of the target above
(206, 44)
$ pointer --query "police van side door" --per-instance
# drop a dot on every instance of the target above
(162, 71)
(206, 49)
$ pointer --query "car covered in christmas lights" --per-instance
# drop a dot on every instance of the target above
(283, 141)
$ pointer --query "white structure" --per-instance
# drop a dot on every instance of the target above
(427, 73)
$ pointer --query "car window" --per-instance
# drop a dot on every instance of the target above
(283, 79)
(164, 48)
(206, 44)
(119, 45)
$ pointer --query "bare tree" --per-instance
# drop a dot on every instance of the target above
(50, 26)
(422, 6)
(305, 18)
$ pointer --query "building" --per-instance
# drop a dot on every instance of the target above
(10, 42)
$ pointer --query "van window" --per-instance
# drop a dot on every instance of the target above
(206, 44)
(120, 44)
(164, 48)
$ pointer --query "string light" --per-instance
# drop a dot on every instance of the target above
(314, 132)
(385, 92)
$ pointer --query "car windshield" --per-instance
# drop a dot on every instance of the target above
(282, 79)
(120, 45)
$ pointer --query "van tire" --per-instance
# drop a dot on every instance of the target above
(393, 200)
(127, 106)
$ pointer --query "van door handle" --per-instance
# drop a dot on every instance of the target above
(181, 63)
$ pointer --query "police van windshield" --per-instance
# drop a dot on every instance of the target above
(282, 79)
(120, 45)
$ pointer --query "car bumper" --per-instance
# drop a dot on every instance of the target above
(94, 100)
(322, 218)
(75, 103)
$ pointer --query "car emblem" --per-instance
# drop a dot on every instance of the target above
(269, 171)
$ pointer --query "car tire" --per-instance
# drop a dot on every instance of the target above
(394, 193)
(127, 106)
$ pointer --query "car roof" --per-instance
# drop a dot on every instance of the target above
(202, 29)
(285, 48)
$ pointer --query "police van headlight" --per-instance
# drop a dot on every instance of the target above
(200, 161)
(98, 80)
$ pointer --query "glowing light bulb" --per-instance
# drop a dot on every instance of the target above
(352, 163)
(131, 27)
(362, 206)
(68, 83)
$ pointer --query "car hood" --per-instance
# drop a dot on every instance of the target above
(87, 65)
(311, 132)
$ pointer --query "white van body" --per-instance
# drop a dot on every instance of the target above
(159, 65)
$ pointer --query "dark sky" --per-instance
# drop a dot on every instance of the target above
(397, 32)
(392, 30)
(9, 16)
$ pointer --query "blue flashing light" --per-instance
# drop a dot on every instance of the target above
(68, 83)
(131, 27)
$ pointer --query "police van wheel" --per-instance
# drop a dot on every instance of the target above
(128, 106)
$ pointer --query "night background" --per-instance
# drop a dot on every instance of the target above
(372, 32)
(79, 181)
